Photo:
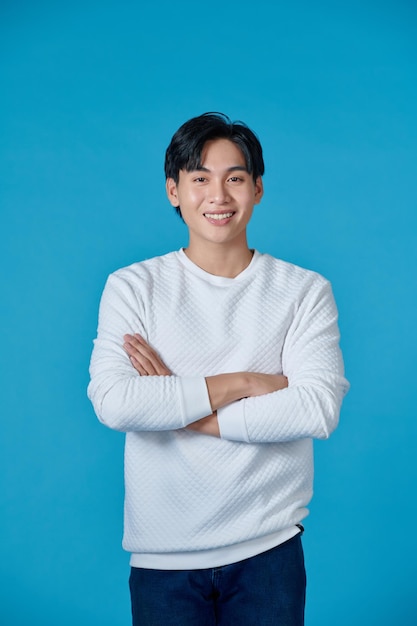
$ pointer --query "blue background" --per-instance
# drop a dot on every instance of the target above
(90, 96)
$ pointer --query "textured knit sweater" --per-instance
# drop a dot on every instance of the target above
(194, 500)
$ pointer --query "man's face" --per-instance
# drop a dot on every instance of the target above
(216, 200)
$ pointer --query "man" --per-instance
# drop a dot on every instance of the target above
(221, 364)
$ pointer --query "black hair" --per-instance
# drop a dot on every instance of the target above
(184, 151)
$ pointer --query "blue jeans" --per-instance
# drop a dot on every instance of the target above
(264, 590)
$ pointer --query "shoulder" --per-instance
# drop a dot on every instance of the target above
(306, 290)
(138, 281)
(289, 274)
(147, 270)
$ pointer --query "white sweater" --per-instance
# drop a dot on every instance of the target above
(198, 501)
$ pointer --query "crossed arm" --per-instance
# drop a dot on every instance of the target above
(247, 406)
(222, 389)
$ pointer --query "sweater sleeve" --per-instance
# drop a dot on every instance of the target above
(122, 399)
(312, 361)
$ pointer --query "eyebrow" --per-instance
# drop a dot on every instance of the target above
(234, 168)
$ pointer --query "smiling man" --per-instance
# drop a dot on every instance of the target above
(222, 365)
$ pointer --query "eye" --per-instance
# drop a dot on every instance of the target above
(200, 179)
(235, 179)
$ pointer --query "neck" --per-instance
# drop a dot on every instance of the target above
(220, 261)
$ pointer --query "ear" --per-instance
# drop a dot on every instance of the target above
(172, 192)
(259, 190)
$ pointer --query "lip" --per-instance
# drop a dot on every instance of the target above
(217, 221)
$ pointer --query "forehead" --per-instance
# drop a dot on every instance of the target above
(222, 151)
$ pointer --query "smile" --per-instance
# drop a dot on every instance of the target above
(218, 216)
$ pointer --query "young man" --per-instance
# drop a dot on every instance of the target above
(221, 364)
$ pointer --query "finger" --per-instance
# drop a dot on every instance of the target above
(138, 367)
(137, 345)
(158, 365)
(140, 358)
(146, 356)
(141, 363)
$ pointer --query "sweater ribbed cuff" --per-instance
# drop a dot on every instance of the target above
(231, 420)
(195, 399)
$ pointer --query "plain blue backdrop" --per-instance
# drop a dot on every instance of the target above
(91, 93)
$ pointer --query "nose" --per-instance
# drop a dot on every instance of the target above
(218, 193)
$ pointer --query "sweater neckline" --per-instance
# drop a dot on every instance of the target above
(213, 278)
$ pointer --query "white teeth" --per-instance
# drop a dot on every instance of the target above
(218, 216)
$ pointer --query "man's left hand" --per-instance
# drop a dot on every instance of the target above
(144, 359)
